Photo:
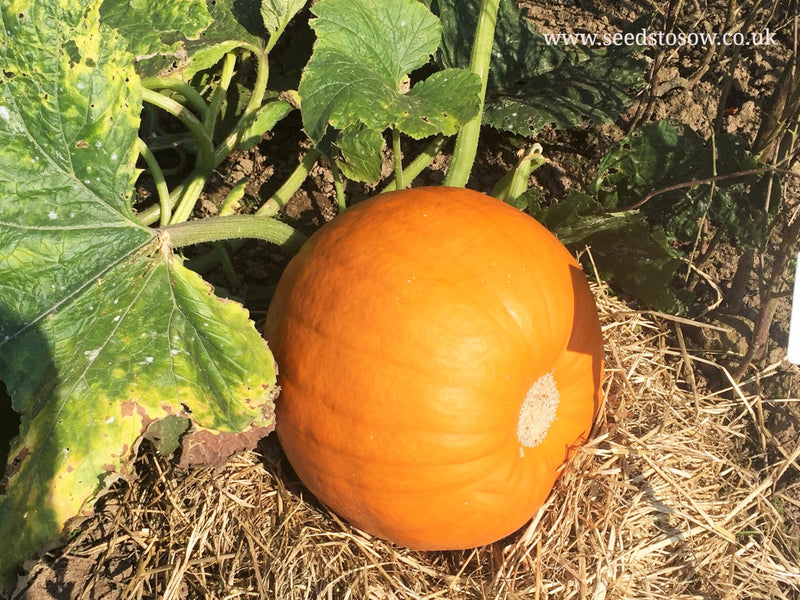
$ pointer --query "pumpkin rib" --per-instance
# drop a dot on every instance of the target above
(465, 295)
(344, 342)
(523, 249)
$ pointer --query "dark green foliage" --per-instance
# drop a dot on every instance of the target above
(532, 83)
(629, 253)
(666, 153)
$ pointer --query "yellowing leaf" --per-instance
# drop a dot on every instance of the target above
(102, 329)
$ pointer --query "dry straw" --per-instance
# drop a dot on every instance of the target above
(671, 499)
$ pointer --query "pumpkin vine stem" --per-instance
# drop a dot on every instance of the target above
(419, 164)
(341, 198)
(174, 84)
(279, 199)
(184, 115)
(220, 92)
(270, 208)
(467, 139)
(215, 229)
(397, 155)
(184, 197)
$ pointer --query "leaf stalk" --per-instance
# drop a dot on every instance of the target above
(215, 229)
(467, 139)
(397, 155)
(158, 177)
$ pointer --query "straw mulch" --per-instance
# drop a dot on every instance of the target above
(671, 499)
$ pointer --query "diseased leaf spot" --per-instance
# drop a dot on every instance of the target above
(13, 468)
(74, 53)
(81, 144)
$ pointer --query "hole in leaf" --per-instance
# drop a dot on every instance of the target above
(9, 428)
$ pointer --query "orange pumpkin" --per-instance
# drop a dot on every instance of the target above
(440, 357)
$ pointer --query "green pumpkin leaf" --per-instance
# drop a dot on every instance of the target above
(266, 118)
(102, 330)
(207, 56)
(152, 26)
(277, 13)
(361, 153)
(228, 21)
(629, 253)
(598, 90)
(232, 20)
(665, 153)
(359, 71)
(532, 82)
(437, 104)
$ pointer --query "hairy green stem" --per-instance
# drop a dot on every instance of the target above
(181, 87)
(220, 92)
(397, 155)
(215, 229)
(180, 112)
(467, 139)
(152, 213)
(232, 200)
(515, 183)
(209, 158)
(190, 193)
(253, 104)
(339, 186)
(419, 164)
(271, 207)
(158, 178)
(169, 141)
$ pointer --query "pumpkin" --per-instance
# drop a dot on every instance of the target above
(440, 358)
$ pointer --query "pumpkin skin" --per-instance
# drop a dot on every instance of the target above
(408, 332)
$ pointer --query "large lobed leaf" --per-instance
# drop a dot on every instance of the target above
(533, 83)
(667, 153)
(102, 330)
(151, 26)
(358, 79)
(163, 35)
(276, 14)
(627, 251)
